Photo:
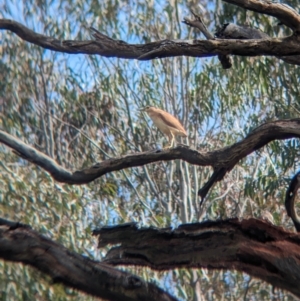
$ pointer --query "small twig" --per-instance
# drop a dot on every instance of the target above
(197, 22)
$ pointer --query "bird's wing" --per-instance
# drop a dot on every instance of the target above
(171, 121)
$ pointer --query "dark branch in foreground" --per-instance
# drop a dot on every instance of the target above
(22, 244)
(290, 200)
(222, 160)
(252, 246)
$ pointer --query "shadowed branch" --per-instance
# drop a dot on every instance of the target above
(252, 246)
(290, 200)
(283, 12)
(20, 243)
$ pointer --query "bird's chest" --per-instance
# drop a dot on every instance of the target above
(160, 124)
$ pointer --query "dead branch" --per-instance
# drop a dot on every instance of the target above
(222, 160)
(283, 12)
(252, 246)
(233, 31)
(108, 47)
(22, 244)
(290, 200)
(198, 23)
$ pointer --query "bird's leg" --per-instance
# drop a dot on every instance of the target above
(171, 140)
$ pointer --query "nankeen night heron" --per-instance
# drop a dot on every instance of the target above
(167, 124)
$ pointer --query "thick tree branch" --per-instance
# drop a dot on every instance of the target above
(283, 12)
(233, 31)
(222, 160)
(108, 47)
(252, 246)
(290, 200)
(22, 244)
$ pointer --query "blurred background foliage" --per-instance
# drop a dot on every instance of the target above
(82, 109)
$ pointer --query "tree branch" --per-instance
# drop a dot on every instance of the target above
(252, 246)
(283, 12)
(290, 199)
(108, 47)
(233, 31)
(198, 23)
(222, 160)
(22, 244)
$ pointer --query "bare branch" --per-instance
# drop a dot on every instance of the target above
(222, 160)
(283, 12)
(108, 47)
(290, 199)
(197, 22)
(252, 246)
(22, 244)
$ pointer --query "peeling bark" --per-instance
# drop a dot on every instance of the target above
(20, 243)
(222, 160)
(252, 246)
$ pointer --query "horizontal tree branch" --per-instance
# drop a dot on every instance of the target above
(222, 160)
(233, 31)
(283, 12)
(108, 47)
(252, 246)
(22, 244)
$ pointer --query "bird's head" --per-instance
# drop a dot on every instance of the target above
(147, 109)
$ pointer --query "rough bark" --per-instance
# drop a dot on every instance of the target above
(283, 12)
(108, 47)
(222, 160)
(233, 31)
(290, 200)
(20, 243)
(252, 246)
(198, 23)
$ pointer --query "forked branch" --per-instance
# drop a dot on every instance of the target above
(198, 23)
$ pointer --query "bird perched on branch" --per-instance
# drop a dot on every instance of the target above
(167, 124)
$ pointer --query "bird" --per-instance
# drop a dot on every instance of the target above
(167, 123)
